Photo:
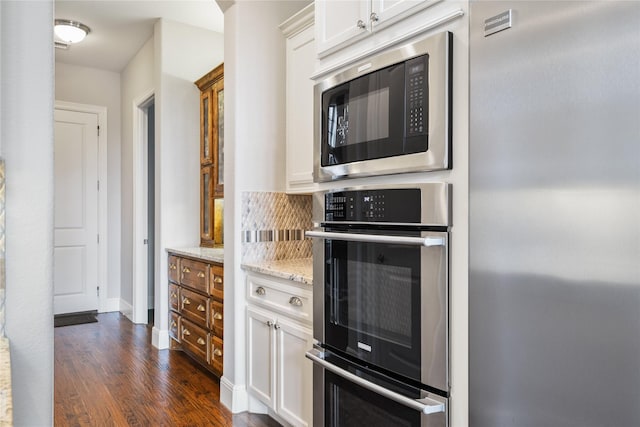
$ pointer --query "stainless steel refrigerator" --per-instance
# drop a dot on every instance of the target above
(554, 281)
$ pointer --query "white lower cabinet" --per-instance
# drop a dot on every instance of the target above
(279, 374)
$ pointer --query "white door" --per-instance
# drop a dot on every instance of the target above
(75, 257)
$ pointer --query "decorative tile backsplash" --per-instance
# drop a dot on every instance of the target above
(273, 226)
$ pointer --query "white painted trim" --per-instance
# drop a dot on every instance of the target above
(234, 397)
(126, 309)
(103, 212)
(109, 305)
(140, 221)
(160, 338)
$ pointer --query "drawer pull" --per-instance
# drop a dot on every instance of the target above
(200, 274)
(173, 267)
(217, 352)
(185, 331)
(186, 270)
(260, 291)
(201, 341)
(186, 301)
(217, 315)
(201, 308)
(217, 279)
(295, 301)
(173, 324)
(174, 295)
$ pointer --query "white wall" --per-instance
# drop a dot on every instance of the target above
(182, 55)
(86, 85)
(254, 152)
(136, 81)
(26, 135)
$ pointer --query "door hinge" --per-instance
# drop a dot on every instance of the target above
(98, 291)
(98, 238)
(98, 130)
(98, 185)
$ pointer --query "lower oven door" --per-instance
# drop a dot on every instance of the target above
(347, 394)
(386, 300)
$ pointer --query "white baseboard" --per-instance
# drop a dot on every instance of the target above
(160, 338)
(109, 304)
(256, 406)
(126, 309)
(234, 397)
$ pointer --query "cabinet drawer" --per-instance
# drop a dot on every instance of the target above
(216, 317)
(174, 297)
(216, 355)
(194, 306)
(216, 285)
(174, 326)
(173, 268)
(283, 298)
(194, 274)
(194, 339)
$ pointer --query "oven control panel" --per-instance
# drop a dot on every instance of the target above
(389, 205)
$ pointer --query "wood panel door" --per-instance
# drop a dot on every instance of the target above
(76, 212)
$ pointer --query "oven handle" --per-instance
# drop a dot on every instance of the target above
(374, 238)
(425, 405)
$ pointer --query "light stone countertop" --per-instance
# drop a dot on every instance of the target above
(6, 407)
(206, 254)
(298, 270)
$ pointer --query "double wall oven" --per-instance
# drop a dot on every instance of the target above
(381, 305)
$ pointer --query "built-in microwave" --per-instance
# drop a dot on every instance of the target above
(389, 114)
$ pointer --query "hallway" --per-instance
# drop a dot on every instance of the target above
(107, 373)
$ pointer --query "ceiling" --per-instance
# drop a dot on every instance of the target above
(119, 28)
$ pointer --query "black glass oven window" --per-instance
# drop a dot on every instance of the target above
(384, 301)
(347, 404)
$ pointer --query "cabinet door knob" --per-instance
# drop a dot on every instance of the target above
(201, 307)
(360, 24)
(261, 291)
(269, 323)
(276, 326)
(295, 301)
(373, 17)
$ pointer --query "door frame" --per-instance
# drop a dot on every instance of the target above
(101, 111)
(140, 219)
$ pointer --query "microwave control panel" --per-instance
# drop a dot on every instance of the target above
(393, 205)
(417, 94)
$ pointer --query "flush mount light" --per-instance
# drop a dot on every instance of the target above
(70, 31)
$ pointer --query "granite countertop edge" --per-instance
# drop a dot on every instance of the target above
(298, 270)
(207, 254)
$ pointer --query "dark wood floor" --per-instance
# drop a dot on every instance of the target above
(109, 374)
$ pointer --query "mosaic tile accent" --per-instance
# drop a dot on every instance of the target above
(273, 226)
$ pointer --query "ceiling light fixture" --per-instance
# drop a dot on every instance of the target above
(70, 31)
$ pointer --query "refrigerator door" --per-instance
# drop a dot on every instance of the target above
(554, 283)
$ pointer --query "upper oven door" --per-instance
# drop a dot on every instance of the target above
(386, 300)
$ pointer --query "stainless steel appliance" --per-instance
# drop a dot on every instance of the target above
(554, 284)
(389, 114)
(381, 305)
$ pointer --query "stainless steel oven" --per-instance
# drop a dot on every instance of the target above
(381, 299)
(390, 113)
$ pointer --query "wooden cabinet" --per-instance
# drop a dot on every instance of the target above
(278, 335)
(211, 87)
(339, 24)
(196, 304)
(300, 54)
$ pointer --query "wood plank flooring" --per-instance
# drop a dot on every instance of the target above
(109, 374)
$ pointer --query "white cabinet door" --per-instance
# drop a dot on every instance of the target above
(337, 23)
(390, 11)
(294, 384)
(301, 52)
(261, 355)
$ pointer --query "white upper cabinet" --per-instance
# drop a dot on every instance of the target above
(341, 23)
(301, 59)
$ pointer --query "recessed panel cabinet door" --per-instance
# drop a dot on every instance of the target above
(75, 253)
(261, 356)
(339, 23)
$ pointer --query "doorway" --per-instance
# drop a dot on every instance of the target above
(144, 210)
